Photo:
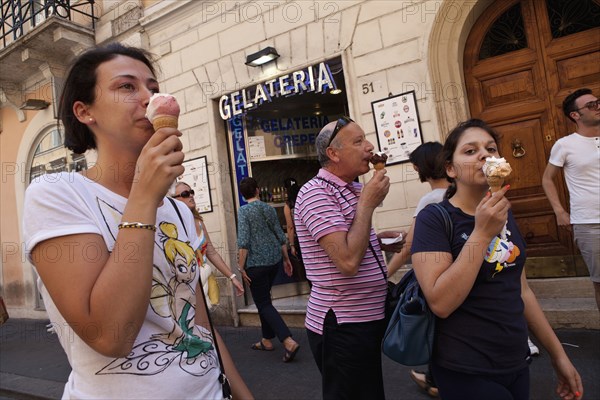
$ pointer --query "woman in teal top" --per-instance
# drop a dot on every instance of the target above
(262, 249)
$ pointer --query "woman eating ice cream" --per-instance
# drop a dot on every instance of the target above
(475, 284)
(124, 299)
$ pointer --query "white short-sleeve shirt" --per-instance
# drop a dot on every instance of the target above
(579, 157)
(172, 358)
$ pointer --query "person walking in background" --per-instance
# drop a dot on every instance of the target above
(124, 299)
(292, 188)
(578, 156)
(427, 162)
(342, 255)
(185, 194)
(476, 285)
(262, 249)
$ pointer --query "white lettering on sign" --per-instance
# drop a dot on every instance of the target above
(295, 83)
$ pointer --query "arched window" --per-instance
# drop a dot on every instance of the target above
(568, 17)
(507, 34)
(51, 156)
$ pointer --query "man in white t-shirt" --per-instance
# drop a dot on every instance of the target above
(578, 155)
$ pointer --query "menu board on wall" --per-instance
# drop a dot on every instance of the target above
(397, 126)
(196, 175)
(256, 147)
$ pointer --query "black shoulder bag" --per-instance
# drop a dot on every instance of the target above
(408, 338)
(222, 377)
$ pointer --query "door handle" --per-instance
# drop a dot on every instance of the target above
(518, 149)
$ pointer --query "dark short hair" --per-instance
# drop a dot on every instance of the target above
(427, 160)
(569, 105)
(452, 142)
(80, 85)
(248, 187)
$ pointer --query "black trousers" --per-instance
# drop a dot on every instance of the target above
(270, 321)
(460, 386)
(349, 358)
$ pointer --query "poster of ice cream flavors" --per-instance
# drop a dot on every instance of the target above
(196, 176)
(397, 126)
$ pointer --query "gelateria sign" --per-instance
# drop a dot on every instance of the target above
(315, 78)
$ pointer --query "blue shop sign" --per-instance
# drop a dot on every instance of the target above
(239, 152)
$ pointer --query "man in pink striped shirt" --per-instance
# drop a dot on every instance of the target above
(343, 260)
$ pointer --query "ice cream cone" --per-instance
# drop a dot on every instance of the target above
(495, 183)
(164, 121)
(378, 160)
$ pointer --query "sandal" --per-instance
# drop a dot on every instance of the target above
(261, 346)
(420, 378)
(289, 355)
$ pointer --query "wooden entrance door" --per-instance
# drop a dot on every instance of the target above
(522, 58)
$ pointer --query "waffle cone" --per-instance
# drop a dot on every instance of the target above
(379, 166)
(495, 183)
(164, 121)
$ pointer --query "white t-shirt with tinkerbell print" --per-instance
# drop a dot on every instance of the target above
(172, 358)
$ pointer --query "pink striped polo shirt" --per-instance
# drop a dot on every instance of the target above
(327, 204)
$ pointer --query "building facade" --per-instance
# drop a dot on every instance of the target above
(508, 62)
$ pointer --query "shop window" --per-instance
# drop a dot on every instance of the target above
(507, 34)
(567, 17)
(55, 138)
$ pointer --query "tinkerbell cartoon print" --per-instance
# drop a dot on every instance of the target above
(186, 345)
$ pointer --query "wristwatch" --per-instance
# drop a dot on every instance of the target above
(232, 276)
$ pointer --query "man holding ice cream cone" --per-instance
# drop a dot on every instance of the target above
(342, 255)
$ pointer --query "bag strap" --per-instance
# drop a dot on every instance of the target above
(408, 284)
(267, 220)
(178, 214)
(447, 221)
(370, 245)
(222, 378)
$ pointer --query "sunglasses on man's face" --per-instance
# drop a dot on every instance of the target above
(342, 122)
(590, 105)
(185, 194)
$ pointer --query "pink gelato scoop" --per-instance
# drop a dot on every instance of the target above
(163, 110)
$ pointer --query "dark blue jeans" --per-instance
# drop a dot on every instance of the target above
(460, 386)
(271, 322)
(349, 358)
